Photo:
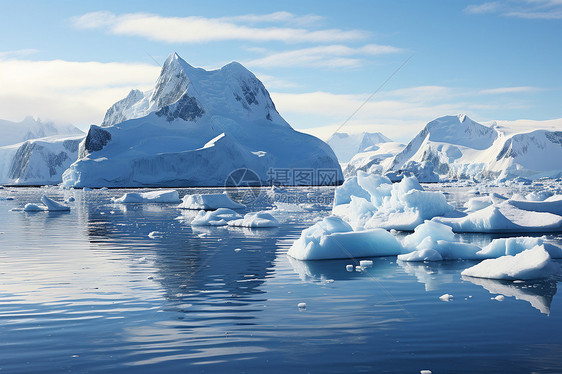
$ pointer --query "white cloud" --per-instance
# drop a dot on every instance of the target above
(67, 91)
(322, 113)
(323, 56)
(509, 90)
(201, 29)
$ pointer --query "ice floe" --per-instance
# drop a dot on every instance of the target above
(165, 196)
(255, 220)
(534, 263)
(218, 217)
(49, 206)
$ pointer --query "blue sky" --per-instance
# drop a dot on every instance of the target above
(68, 61)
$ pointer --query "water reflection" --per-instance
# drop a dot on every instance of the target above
(434, 274)
(538, 293)
(331, 270)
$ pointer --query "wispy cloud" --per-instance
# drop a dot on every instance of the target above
(276, 17)
(509, 90)
(323, 56)
(530, 9)
(67, 91)
(17, 53)
(202, 29)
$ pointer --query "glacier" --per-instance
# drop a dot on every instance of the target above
(194, 129)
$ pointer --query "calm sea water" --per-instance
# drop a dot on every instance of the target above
(88, 291)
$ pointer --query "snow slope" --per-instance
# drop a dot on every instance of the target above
(193, 129)
(461, 148)
(346, 146)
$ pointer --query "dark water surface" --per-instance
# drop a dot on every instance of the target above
(89, 291)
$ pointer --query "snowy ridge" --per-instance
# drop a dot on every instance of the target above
(193, 129)
(458, 147)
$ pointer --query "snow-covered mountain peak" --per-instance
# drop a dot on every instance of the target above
(232, 92)
(348, 145)
(460, 130)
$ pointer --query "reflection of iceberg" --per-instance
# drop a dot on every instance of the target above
(538, 293)
(432, 274)
(328, 270)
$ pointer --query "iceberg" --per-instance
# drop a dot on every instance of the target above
(195, 128)
(534, 263)
(208, 202)
(370, 201)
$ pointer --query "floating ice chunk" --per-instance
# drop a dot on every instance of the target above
(219, 217)
(155, 234)
(208, 202)
(504, 217)
(166, 196)
(255, 220)
(499, 298)
(30, 207)
(435, 230)
(349, 267)
(532, 263)
(237, 249)
(301, 305)
(365, 263)
(446, 297)
(53, 206)
(512, 246)
(425, 372)
(333, 238)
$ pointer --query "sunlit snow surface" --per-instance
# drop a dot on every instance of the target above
(89, 291)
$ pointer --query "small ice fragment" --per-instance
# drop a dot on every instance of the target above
(446, 297)
(518, 281)
(365, 263)
(425, 372)
(358, 268)
(302, 305)
(202, 235)
(155, 234)
(327, 280)
(150, 277)
(499, 298)
(142, 259)
(349, 267)
(237, 249)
